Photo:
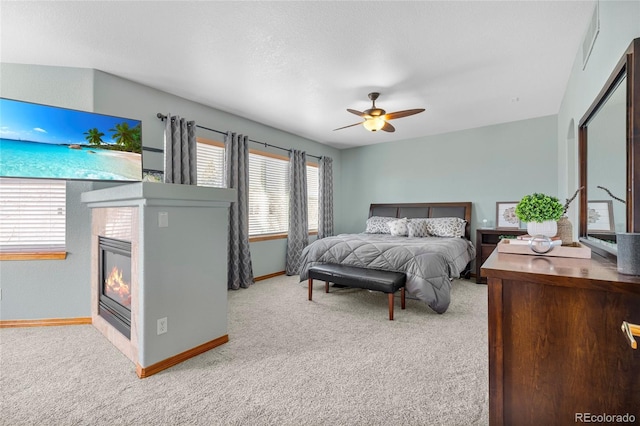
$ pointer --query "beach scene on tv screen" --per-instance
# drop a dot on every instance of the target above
(40, 141)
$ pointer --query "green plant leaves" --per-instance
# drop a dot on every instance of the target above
(539, 208)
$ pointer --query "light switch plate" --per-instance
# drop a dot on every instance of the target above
(163, 219)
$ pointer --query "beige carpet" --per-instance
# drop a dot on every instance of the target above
(335, 361)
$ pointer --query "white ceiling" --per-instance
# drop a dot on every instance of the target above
(297, 66)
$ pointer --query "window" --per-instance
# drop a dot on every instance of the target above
(312, 195)
(268, 194)
(210, 161)
(268, 187)
(32, 217)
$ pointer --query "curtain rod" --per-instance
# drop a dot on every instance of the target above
(164, 117)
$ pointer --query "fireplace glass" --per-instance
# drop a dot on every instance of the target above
(115, 283)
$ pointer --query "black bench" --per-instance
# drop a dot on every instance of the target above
(351, 276)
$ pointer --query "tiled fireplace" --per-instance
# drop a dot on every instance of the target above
(159, 256)
(114, 288)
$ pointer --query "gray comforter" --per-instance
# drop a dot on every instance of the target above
(429, 263)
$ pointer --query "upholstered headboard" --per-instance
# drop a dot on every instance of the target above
(414, 210)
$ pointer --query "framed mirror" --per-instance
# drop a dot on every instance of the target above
(609, 158)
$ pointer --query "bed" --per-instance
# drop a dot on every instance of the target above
(429, 262)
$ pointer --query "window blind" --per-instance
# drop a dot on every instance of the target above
(268, 195)
(210, 163)
(32, 215)
(268, 187)
(312, 197)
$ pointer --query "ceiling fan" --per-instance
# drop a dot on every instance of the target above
(376, 118)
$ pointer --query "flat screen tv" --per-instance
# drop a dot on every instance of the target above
(41, 141)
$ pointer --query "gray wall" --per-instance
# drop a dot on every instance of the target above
(496, 163)
(36, 289)
(60, 289)
(186, 285)
(114, 95)
(619, 25)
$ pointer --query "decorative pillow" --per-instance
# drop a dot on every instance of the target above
(378, 225)
(459, 227)
(439, 227)
(446, 227)
(417, 228)
(398, 227)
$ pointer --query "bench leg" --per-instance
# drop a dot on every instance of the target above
(310, 288)
(390, 306)
(326, 286)
(402, 297)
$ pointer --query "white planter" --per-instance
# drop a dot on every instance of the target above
(547, 228)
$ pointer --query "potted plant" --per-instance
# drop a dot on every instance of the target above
(541, 213)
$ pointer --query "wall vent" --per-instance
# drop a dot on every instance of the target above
(590, 37)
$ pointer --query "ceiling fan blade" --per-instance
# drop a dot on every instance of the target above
(350, 125)
(405, 113)
(388, 127)
(358, 113)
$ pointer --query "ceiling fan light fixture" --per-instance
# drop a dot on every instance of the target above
(376, 118)
(374, 124)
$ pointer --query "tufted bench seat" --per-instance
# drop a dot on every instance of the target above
(371, 279)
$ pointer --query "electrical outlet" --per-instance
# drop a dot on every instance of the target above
(162, 326)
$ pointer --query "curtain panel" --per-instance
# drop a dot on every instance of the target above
(325, 197)
(240, 270)
(180, 162)
(298, 234)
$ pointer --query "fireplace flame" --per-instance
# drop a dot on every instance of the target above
(117, 288)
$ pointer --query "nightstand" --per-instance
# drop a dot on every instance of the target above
(486, 241)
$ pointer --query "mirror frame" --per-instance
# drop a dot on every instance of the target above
(628, 65)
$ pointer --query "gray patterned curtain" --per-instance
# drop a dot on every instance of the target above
(325, 197)
(298, 236)
(180, 151)
(240, 271)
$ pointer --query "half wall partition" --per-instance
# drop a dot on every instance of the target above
(177, 288)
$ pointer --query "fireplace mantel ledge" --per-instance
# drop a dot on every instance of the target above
(159, 194)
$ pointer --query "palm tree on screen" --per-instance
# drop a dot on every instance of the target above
(136, 145)
(127, 137)
(94, 136)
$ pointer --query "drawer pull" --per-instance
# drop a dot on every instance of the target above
(630, 330)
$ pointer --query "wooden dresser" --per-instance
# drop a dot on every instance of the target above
(486, 241)
(556, 348)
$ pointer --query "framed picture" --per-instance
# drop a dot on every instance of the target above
(600, 216)
(506, 215)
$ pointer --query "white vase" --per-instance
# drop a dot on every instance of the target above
(547, 228)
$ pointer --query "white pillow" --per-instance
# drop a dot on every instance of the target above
(438, 227)
(378, 225)
(417, 228)
(398, 227)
